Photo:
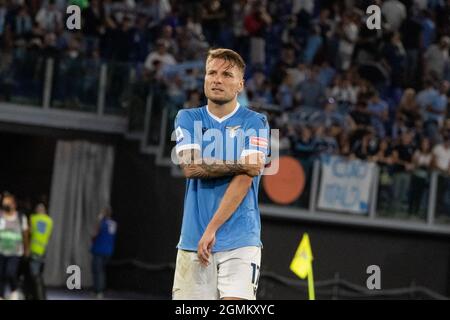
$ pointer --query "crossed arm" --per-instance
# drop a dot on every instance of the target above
(195, 167)
(243, 171)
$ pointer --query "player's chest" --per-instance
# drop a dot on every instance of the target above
(223, 140)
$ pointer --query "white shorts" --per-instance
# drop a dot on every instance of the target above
(233, 273)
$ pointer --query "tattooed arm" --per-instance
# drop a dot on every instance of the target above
(195, 167)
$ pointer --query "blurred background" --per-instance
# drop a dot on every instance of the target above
(86, 118)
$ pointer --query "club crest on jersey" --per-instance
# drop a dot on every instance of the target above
(259, 142)
(233, 130)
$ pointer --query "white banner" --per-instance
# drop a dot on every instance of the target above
(346, 185)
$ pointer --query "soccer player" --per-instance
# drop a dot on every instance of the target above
(222, 149)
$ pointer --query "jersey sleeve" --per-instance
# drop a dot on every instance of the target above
(186, 135)
(257, 136)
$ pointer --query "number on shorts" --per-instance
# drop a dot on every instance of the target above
(255, 274)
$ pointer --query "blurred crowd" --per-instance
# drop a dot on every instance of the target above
(332, 85)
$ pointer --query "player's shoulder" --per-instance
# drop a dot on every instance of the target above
(191, 113)
(253, 116)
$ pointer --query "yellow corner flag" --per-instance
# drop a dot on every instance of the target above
(301, 264)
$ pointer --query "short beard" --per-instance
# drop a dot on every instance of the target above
(220, 102)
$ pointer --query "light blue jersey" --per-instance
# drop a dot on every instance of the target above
(238, 134)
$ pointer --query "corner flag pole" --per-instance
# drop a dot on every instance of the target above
(311, 293)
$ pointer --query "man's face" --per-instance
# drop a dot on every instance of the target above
(222, 82)
(9, 203)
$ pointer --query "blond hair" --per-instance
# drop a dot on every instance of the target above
(229, 56)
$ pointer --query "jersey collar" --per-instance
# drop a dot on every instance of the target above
(220, 120)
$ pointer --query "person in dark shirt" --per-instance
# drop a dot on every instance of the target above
(384, 160)
(360, 115)
(304, 147)
(411, 32)
(103, 243)
(366, 147)
(92, 18)
(403, 166)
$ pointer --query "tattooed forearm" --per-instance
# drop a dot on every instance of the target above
(214, 170)
(195, 167)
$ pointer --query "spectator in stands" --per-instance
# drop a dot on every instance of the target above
(161, 55)
(258, 88)
(286, 61)
(14, 243)
(384, 160)
(123, 40)
(304, 147)
(383, 156)
(441, 162)
(91, 21)
(348, 34)
(326, 73)
(285, 94)
(330, 118)
(428, 31)
(255, 24)
(326, 142)
(403, 165)
(213, 17)
(427, 95)
(167, 34)
(435, 112)
(413, 31)
(103, 242)
(311, 92)
(49, 17)
(441, 155)
(379, 111)
(366, 147)
(299, 74)
(344, 144)
(313, 45)
(408, 110)
(22, 24)
(437, 58)
(344, 93)
(155, 10)
(190, 47)
(395, 55)
(361, 116)
(420, 178)
(293, 34)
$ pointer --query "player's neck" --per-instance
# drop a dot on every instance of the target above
(222, 110)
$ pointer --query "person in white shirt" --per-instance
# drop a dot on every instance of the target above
(49, 17)
(437, 57)
(349, 35)
(14, 244)
(441, 162)
(420, 178)
(160, 54)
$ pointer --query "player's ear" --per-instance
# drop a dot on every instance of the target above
(241, 85)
